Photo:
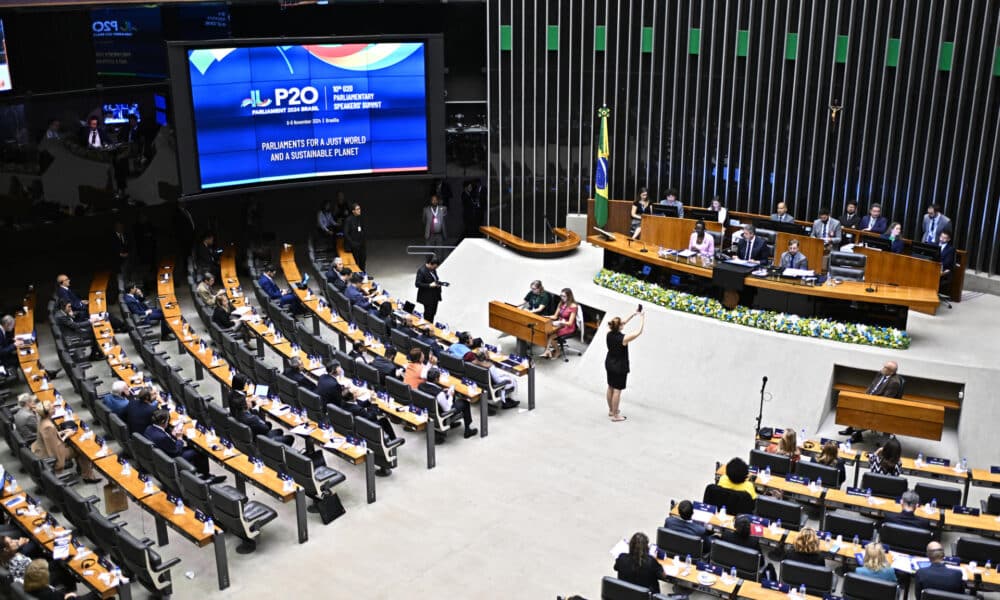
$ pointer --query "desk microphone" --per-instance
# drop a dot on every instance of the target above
(763, 384)
(643, 247)
(871, 287)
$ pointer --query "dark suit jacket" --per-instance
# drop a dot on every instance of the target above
(691, 527)
(329, 390)
(757, 252)
(338, 284)
(892, 388)
(809, 558)
(896, 246)
(747, 542)
(72, 328)
(136, 306)
(170, 445)
(881, 224)
(270, 288)
(907, 518)
(426, 293)
(357, 297)
(257, 425)
(138, 415)
(206, 258)
(101, 132)
(299, 378)
(8, 349)
(68, 295)
(646, 574)
(220, 317)
(354, 235)
(938, 577)
(948, 257)
(850, 221)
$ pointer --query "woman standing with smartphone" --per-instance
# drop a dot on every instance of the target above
(616, 362)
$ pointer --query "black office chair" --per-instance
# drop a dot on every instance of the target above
(747, 561)
(884, 486)
(288, 390)
(616, 589)
(272, 453)
(946, 496)
(399, 391)
(312, 404)
(912, 540)
(861, 587)
(991, 505)
(780, 465)
(736, 502)
(830, 476)
(791, 514)
(818, 580)
(676, 543)
(145, 564)
(317, 481)
(932, 594)
(166, 472)
(385, 451)
(341, 420)
(453, 364)
(195, 492)
(849, 524)
(240, 516)
(978, 549)
(442, 419)
(142, 452)
(847, 266)
(242, 437)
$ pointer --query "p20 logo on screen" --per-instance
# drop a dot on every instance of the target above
(283, 96)
(112, 27)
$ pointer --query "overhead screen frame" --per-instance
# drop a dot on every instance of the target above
(189, 170)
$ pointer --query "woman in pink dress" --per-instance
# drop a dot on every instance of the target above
(701, 241)
(564, 320)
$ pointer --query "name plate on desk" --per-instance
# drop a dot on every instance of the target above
(853, 491)
(709, 568)
(994, 469)
(710, 508)
(832, 597)
(823, 441)
(952, 560)
(763, 522)
(703, 512)
(940, 462)
(966, 510)
(767, 584)
(797, 479)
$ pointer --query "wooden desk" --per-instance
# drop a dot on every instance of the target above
(755, 591)
(522, 324)
(890, 415)
(889, 267)
(921, 300)
(678, 573)
(670, 232)
(569, 241)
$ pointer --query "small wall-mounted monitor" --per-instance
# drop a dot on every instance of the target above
(118, 113)
(879, 242)
(665, 211)
(928, 251)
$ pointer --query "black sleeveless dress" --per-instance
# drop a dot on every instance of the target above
(616, 362)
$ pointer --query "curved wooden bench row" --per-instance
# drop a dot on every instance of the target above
(569, 242)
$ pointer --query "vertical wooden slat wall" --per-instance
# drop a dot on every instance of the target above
(735, 98)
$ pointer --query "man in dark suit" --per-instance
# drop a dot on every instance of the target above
(76, 330)
(139, 412)
(909, 502)
(206, 256)
(340, 280)
(120, 255)
(874, 221)
(886, 383)
(330, 391)
(8, 343)
(167, 441)
(426, 336)
(295, 372)
(937, 575)
(429, 287)
(335, 268)
(354, 236)
(355, 295)
(136, 304)
(947, 260)
(93, 135)
(683, 523)
(283, 296)
(751, 247)
(850, 219)
(65, 294)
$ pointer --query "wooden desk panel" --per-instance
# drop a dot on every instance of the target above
(900, 269)
(515, 321)
(670, 232)
(890, 415)
(569, 241)
(619, 217)
(811, 247)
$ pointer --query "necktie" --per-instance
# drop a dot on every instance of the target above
(822, 233)
(878, 386)
(749, 244)
(93, 138)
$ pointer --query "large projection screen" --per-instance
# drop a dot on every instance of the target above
(264, 113)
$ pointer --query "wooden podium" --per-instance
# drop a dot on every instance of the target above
(524, 325)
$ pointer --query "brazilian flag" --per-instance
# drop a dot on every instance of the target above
(601, 176)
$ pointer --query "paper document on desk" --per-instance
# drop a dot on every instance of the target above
(742, 263)
(789, 272)
(303, 429)
(902, 562)
(242, 310)
(702, 516)
(686, 253)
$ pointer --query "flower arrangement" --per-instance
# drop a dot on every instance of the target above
(851, 333)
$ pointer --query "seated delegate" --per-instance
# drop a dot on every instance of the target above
(792, 258)
(736, 476)
(642, 206)
(564, 320)
(895, 237)
(786, 446)
(637, 567)
(701, 241)
(750, 247)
